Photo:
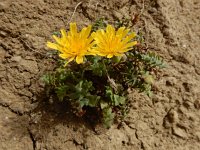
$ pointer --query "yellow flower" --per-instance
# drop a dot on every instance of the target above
(73, 45)
(113, 43)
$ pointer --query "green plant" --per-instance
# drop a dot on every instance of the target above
(101, 83)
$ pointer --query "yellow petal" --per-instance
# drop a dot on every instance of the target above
(91, 52)
(71, 59)
(73, 29)
(89, 40)
(87, 32)
(52, 45)
(128, 38)
(64, 56)
(110, 30)
(63, 33)
(118, 54)
(58, 40)
(125, 32)
(130, 44)
(120, 31)
(82, 33)
(79, 59)
(101, 53)
(109, 55)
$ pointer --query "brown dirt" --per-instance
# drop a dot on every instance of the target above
(170, 120)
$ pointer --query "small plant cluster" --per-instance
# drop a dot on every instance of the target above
(108, 62)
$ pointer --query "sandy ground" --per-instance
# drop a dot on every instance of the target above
(168, 120)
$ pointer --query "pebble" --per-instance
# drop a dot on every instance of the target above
(173, 116)
(171, 81)
(3, 34)
(16, 58)
(179, 132)
(197, 104)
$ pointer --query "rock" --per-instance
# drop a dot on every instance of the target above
(187, 86)
(16, 58)
(2, 54)
(179, 132)
(117, 15)
(187, 104)
(197, 104)
(25, 93)
(171, 81)
(3, 34)
(173, 116)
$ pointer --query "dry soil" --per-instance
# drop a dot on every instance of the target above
(168, 120)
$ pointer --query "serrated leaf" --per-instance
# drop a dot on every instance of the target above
(119, 100)
(93, 100)
(61, 92)
(103, 104)
(83, 102)
(108, 117)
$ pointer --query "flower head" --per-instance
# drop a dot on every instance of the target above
(73, 45)
(113, 43)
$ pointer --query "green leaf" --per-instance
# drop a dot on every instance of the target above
(153, 60)
(108, 117)
(109, 92)
(93, 100)
(56, 33)
(99, 24)
(97, 66)
(119, 100)
(61, 91)
(83, 102)
(47, 79)
(103, 104)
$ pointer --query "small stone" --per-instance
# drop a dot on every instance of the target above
(184, 46)
(171, 81)
(117, 15)
(135, 105)
(179, 132)
(2, 54)
(197, 104)
(16, 58)
(187, 86)
(3, 34)
(187, 104)
(173, 116)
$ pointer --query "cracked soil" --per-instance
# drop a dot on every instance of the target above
(168, 120)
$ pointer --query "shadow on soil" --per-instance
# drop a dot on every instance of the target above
(47, 114)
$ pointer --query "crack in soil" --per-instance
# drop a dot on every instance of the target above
(13, 111)
(32, 139)
(141, 142)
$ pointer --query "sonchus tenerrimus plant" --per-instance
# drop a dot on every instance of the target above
(97, 67)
